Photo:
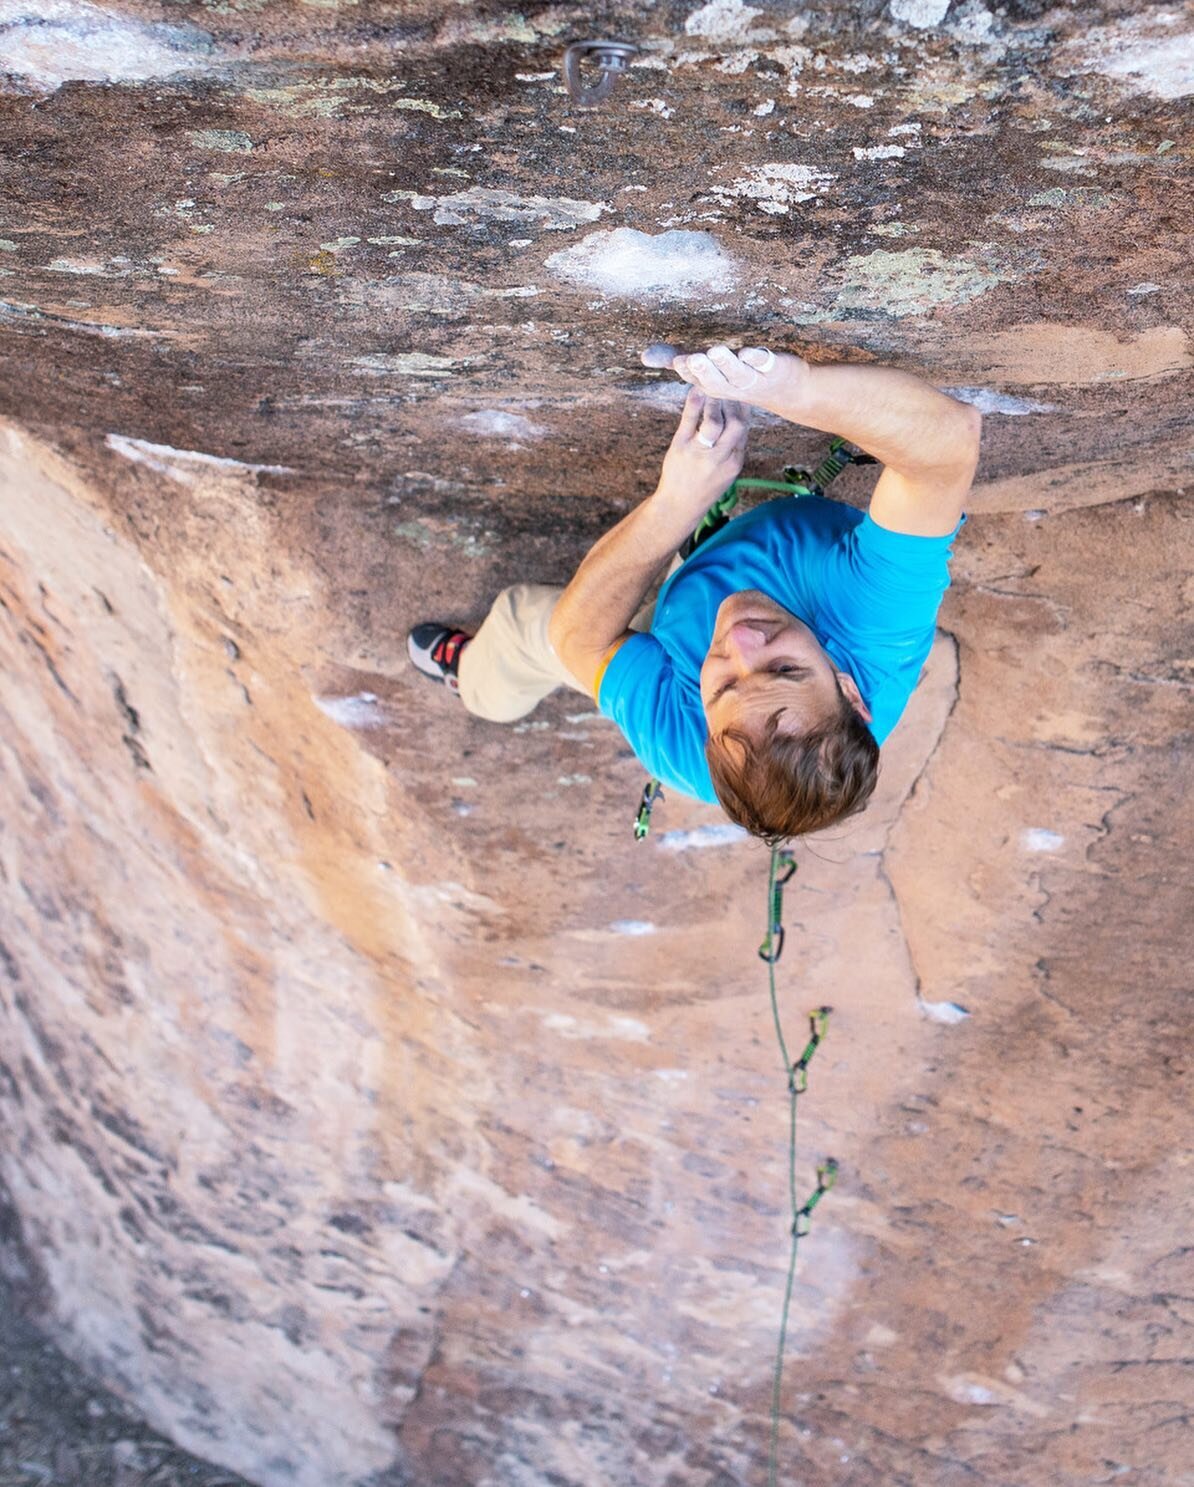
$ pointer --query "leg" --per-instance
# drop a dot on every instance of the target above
(509, 667)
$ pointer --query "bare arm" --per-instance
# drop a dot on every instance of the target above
(928, 442)
(593, 612)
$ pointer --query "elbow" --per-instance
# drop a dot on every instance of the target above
(974, 425)
(966, 442)
(972, 429)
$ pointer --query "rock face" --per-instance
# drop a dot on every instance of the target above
(376, 1109)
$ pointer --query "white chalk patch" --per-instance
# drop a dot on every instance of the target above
(82, 266)
(632, 264)
(702, 836)
(735, 64)
(505, 425)
(880, 1336)
(878, 152)
(57, 41)
(947, 1012)
(553, 213)
(1147, 287)
(904, 129)
(1162, 65)
(764, 108)
(670, 1075)
(656, 105)
(535, 77)
(666, 395)
(359, 711)
(625, 1029)
(183, 465)
(586, 718)
(861, 100)
(726, 20)
(919, 13)
(575, 779)
(972, 22)
(1037, 839)
(231, 141)
(632, 927)
(405, 363)
(969, 1388)
(463, 779)
(986, 400)
(778, 186)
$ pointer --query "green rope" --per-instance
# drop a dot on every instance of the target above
(797, 1077)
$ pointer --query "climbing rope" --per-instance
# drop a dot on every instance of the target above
(783, 862)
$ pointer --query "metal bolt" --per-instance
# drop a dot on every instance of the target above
(611, 58)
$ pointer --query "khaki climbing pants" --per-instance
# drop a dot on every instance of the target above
(509, 666)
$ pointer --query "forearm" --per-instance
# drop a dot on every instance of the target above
(612, 580)
(897, 417)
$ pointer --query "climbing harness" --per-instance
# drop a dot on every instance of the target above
(796, 482)
(783, 866)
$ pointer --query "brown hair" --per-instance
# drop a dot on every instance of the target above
(788, 785)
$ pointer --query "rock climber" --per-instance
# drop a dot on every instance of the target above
(780, 653)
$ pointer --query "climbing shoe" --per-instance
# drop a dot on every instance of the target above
(436, 650)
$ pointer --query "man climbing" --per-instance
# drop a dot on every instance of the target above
(780, 654)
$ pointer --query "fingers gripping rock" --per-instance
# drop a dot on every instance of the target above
(659, 355)
(740, 372)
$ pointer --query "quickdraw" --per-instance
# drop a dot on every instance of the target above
(652, 791)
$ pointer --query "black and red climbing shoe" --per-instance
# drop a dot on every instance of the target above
(436, 650)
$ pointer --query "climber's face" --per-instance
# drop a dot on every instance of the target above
(762, 658)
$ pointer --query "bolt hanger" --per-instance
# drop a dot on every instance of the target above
(612, 59)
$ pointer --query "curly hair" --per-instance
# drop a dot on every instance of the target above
(787, 785)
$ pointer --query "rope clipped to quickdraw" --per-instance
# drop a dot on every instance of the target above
(652, 791)
(841, 454)
(783, 866)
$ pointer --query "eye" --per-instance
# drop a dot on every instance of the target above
(781, 668)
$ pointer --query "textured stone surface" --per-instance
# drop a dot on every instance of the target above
(375, 1108)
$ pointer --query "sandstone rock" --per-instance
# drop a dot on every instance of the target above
(375, 1108)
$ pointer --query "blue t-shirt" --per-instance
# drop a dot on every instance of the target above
(868, 594)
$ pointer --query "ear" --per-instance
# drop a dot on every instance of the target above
(850, 687)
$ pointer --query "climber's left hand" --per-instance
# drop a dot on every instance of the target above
(706, 454)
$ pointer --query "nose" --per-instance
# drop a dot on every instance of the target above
(745, 640)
